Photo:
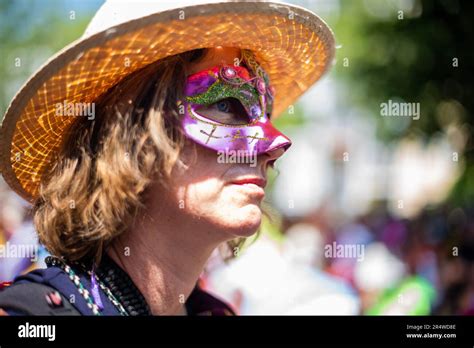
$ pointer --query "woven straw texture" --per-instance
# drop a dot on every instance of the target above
(293, 45)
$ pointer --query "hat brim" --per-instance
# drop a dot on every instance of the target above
(294, 46)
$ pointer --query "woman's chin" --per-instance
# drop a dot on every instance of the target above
(246, 221)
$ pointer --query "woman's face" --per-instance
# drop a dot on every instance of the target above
(215, 190)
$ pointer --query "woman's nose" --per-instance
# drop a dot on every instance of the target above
(273, 155)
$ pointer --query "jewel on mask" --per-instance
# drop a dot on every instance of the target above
(261, 86)
(228, 72)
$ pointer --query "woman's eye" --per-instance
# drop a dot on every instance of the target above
(228, 111)
(223, 106)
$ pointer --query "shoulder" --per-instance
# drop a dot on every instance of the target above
(30, 298)
(201, 302)
(47, 291)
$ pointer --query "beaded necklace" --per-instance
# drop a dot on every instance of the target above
(91, 303)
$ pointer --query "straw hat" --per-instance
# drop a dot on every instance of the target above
(293, 45)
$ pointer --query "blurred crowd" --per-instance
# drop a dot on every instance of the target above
(420, 266)
(20, 250)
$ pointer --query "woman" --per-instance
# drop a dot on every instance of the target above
(131, 200)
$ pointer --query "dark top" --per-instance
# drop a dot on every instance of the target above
(56, 291)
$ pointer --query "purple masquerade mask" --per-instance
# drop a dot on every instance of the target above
(227, 108)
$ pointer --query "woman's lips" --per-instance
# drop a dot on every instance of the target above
(253, 180)
(253, 185)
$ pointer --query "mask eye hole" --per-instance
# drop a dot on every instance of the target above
(228, 111)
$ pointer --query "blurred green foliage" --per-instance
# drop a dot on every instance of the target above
(422, 54)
